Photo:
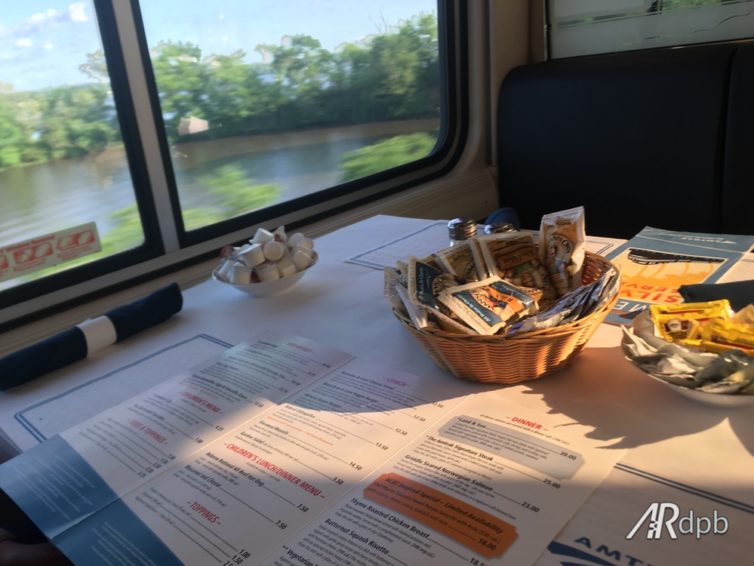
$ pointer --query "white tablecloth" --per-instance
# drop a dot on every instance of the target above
(699, 457)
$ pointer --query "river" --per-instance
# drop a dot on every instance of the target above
(39, 199)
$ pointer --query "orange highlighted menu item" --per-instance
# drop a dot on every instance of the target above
(483, 533)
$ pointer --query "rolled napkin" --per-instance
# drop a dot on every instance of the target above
(91, 336)
(738, 293)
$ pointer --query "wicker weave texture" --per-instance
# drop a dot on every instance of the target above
(528, 356)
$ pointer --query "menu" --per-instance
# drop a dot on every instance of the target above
(285, 451)
(655, 263)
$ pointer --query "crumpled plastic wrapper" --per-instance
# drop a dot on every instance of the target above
(731, 372)
(574, 305)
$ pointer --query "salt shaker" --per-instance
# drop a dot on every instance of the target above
(500, 228)
(460, 229)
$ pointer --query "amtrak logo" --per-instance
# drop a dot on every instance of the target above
(583, 551)
(664, 517)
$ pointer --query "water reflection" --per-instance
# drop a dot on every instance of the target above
(41, 198)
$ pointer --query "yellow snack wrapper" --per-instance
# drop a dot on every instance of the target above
(720, 307)
(719, 335)
(744, 316)
(676, 328)
(682, 322)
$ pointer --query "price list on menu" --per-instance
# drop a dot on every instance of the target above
(285, 451)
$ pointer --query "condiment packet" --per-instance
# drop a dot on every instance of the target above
(425, 282)
(488, 305)
(513, 257)
(572, 306)
(744, 316)
(719, 335)
(463, 261)
(682, 322)
(450, 324)
(561, 247)
(417, 313)
(391, 281)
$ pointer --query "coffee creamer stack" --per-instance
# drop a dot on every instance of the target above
(266, 257)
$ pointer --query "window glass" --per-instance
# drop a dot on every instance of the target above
(265, 101)
(583, 27)
(64, 177)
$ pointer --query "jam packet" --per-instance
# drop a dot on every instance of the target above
(561, 247)
(513, 257)
(487, 306)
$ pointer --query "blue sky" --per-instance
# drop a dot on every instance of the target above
(43, 42)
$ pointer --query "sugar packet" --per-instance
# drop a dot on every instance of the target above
(488, 305)
(425, 282)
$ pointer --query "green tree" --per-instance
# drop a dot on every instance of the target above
(96, 66)
(393, 76)
(12, 139)
(403, 69)
(386, 154)
(238, 99)
(236, 193)
(302, 69)
(75, 121)
(181, 77)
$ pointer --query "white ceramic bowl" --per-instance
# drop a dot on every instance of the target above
(728, 400)
(268, 288)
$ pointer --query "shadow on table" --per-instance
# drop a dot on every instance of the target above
(605, 391)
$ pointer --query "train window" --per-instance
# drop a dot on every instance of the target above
(140, 137)
(264, 103)
(584, 27)
(67, 188)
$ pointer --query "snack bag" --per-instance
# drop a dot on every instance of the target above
(487, 306)
(512, 256)
(561, 247)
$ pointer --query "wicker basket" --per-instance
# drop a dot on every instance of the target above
(524, 357)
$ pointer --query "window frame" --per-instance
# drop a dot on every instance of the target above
(153, 245)
(168, 247)
(448, 14)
